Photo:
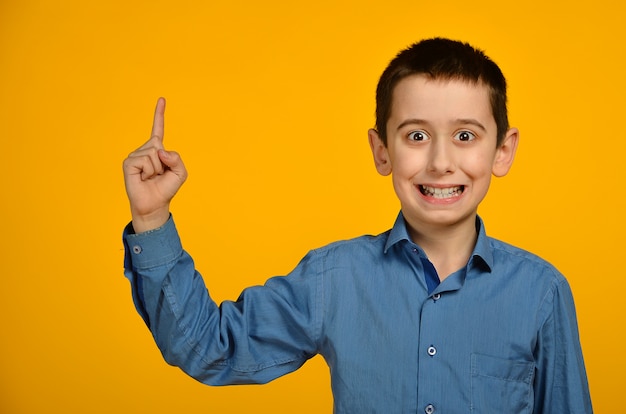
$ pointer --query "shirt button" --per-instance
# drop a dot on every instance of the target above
(136, 249)
(429, 409)
(437, 296)
(432, 350)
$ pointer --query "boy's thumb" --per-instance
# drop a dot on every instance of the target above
(172, 160)
(167, 157)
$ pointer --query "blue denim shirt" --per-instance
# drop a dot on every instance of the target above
(498, 336)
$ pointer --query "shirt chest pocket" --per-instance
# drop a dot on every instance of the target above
(501, 385)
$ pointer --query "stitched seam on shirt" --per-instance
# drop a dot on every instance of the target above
(529, 368)
(260, 367)
(525, 380)
(548, 298)
(252, 368)
(517, 252)
(550, 317)
(161, 261)
(320, 308)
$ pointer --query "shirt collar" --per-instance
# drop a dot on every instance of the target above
(398, 233)
(482, 253)
(482, 250)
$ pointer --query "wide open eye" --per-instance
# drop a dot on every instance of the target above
(465, 136)
(417, 136)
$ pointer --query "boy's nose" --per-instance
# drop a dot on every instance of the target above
(441, 159)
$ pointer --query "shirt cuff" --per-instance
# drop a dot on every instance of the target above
(152, 248)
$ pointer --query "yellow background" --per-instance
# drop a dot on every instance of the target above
(269, 103)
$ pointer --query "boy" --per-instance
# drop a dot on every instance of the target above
(430, 316)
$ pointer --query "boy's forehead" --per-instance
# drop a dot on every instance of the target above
(422, 96)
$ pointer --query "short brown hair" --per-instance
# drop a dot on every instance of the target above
(444, 59)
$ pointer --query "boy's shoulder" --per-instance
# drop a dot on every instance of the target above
(529, 263)
(510, 250)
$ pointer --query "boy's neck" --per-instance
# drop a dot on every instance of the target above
(448, 247)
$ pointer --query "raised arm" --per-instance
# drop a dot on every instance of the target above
(152, 177)
(269, 331)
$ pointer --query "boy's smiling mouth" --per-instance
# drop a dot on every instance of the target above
(441, 192)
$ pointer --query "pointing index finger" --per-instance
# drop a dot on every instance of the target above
(158, 124)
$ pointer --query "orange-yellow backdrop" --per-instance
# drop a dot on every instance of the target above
(269, 102)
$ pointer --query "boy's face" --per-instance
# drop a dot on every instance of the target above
(441, 150)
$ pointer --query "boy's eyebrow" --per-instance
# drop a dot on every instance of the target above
(460, 121)
(411, 121)
(471, 122)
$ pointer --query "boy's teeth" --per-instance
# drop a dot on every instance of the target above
(441, 192)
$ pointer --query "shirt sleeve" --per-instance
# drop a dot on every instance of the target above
(561, 381)
(269, 331)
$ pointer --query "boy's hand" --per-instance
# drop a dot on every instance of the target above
(152, 177)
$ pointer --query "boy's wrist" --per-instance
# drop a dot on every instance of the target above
(143, 223)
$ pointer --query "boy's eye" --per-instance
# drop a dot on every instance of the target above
(417, 136)
(465, 136)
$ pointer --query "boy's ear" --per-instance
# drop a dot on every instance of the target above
(505, 153)
(380, 153)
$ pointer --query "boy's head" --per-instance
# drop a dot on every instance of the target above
(443, 59)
